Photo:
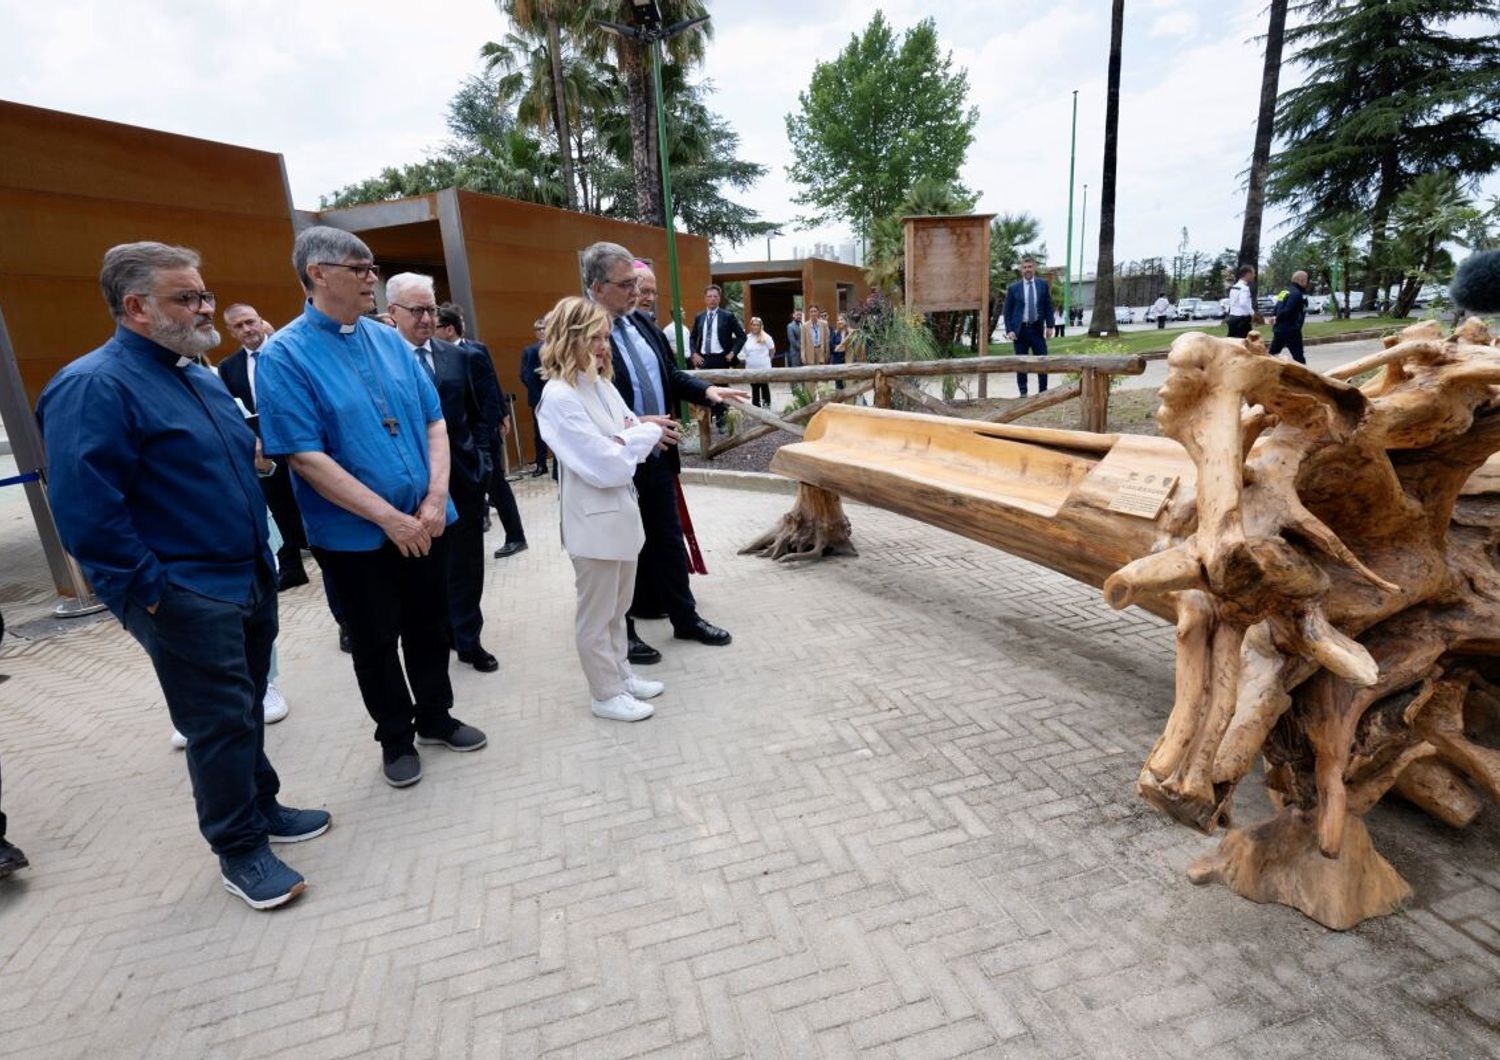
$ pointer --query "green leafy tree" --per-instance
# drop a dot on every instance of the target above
(1012, 236)
(539, 21)
(1432, 211)
(1391, 91)
(877, 119)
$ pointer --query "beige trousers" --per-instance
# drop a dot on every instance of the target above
(605, 588)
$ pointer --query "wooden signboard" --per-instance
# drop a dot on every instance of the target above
(948, 268)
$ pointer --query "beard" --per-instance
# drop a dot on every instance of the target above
(185, 340)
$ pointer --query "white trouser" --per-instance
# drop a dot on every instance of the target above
(605, 588)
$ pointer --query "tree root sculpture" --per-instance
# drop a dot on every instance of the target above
(815, 527)
(1338, 606)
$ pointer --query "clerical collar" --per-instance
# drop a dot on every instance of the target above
(323, 322)
(139, 343)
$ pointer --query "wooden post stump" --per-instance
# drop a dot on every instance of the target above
(815, 527)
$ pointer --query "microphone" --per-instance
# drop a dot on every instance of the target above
(1476, 286)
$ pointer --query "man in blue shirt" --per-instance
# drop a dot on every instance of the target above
(359, 419)
(150, 472)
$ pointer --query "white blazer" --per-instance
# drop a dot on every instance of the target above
(597, 443)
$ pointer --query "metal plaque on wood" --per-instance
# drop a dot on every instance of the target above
(1143, 494)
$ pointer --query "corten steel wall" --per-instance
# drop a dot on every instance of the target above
(522, 258)
(71, 187)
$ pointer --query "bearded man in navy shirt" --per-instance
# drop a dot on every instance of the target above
(151, 474)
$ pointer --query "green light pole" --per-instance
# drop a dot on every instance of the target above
(1072, 159)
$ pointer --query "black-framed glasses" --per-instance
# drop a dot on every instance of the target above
(365, 271)
(193, 300)
(418, 311)
(624, 285)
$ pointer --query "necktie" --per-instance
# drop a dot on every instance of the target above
(650, 400)
(711, 340)
(1030, 303)
(425, 356)
(254, 367)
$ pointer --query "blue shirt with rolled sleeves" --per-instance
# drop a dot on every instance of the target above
(356, 393)
(151, 475)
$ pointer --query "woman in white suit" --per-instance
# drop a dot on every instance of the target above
(597, 443)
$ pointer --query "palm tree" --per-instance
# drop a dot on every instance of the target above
(1103, 321)
(1432, 211)
(1011, 235)
(1255, 193)
(542, 19)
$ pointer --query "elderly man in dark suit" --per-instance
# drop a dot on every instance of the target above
(651, 384)
(410, 296)
(1028, 318)
(238, 374)
(716, 339)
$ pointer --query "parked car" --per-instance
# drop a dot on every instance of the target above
(1317, 303)
(1207, 309)
(1123, 315)
(1187, 308)
(1266, 304)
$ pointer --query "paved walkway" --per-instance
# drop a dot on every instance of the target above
(895, 819)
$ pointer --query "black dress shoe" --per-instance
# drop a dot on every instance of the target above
(642, 653)
(480, 659)
(291, 577)
(510, 548)
(11, 859)
(704, 633)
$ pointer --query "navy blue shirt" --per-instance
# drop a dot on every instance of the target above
(356, 393)
(151, 474)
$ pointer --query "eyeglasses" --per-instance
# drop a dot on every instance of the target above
(624, 285)
(194, 300)
(418, 311)
(369, 270)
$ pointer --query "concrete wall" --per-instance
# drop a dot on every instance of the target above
(71, 187)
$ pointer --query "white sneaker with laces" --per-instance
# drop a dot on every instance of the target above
(623, 707)
(643, 687)
(275, 704)
(179, 741)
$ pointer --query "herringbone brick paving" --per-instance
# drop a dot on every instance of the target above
(895, 819)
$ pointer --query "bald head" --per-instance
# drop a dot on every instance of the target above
(645, 289)
(1300, 278)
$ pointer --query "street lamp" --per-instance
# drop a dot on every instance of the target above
(646, 27)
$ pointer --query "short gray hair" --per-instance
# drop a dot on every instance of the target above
(600, 258)
(406, 281)
(323, 243)
(131, 268)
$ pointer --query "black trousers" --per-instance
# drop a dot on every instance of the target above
(1032, 339)
(1239, 327)
(503, 499)
(661, 575)
(760, 395)
(465, 539)
(212, 658)
(717, 360)
(1291, 341)
(392, 600)
(538, 446)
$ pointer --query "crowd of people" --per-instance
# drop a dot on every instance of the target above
(372, 439)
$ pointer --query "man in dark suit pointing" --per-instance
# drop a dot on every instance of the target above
(237, 372)
(716, 340)
(1028, 318)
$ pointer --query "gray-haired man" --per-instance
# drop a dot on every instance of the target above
(360, 421)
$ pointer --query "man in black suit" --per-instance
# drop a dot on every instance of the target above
(1028, 318)
(651, 384)
(531, 379)
(716, 339)
(237, 372)
(410, 298)
(490, 432)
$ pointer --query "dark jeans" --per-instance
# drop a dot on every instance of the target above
(1031, 339)
(661, 575)
(211, 658)
(1239, 327)
(390, 600)
(465, 539)
(760, 395)
(1291, 341)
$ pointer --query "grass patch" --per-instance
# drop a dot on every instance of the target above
(1153, 340)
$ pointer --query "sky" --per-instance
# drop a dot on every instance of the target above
(343, 90)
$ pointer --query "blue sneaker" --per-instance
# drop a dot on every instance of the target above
(286, 825)
(261, 879)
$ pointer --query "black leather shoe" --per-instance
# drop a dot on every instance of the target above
(480, 659)
(704, 633)
(510, 548)
(642, 653)
(539, 471)
(11, 859)
(346, 645)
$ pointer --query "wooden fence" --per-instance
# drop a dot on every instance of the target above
(887, 379)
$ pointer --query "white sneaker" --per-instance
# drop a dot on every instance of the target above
(623, 707)
(275, 704)
(179, 741)
(644, 688)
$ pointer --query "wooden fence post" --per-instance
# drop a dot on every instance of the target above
(705, 432)
(1093, 401)
(882, 390)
